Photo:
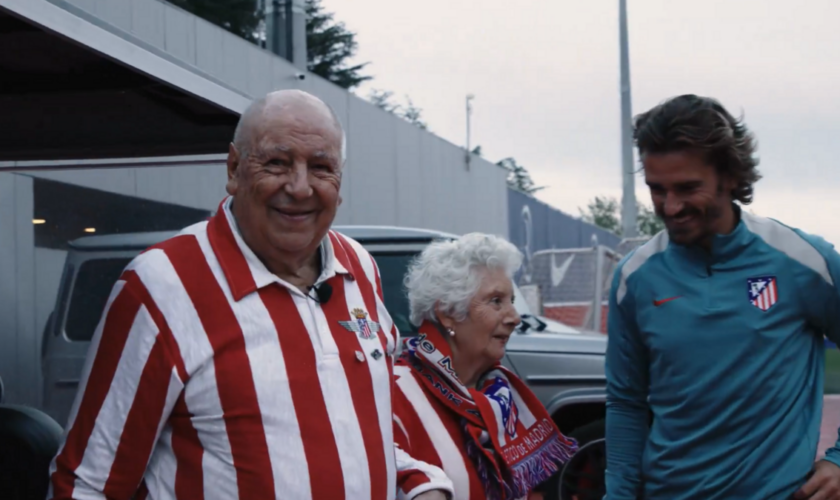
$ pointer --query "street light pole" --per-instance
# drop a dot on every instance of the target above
(628, 198)
(468, 157)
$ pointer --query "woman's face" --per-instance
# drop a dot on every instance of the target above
(491, 319)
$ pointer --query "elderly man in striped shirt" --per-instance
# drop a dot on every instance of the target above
(223, 366)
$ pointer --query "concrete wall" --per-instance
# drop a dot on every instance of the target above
(396, 173)
(198, 186)
(19, 341)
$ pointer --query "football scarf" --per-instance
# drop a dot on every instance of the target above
(511, 438)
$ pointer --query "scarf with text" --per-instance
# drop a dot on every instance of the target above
(511, 438)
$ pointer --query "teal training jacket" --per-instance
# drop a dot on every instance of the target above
(726, 350)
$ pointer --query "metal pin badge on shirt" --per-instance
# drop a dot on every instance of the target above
(366, 328)
(376, 354)
(360, 355)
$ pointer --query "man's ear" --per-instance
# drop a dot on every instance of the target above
(232, 169)
(728, 183)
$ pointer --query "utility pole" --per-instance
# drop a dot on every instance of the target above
(628, 197)
(468, 157)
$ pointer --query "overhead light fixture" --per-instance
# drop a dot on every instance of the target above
(39, 221)
(90, 229)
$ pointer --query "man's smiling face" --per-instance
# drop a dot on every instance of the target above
(286, 188)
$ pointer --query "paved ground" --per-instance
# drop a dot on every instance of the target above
(830, 423)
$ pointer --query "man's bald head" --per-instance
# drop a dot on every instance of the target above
(281, 101)
(284, 174)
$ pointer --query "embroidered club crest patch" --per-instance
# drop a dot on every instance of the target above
(763, 292)
(366, 329)
(500, 393)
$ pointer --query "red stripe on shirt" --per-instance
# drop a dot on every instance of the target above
(142, 492)
(341, 253)
(381, 295)
(189, 453)
(361, 387)
(141, 425)
(319, 443)
(165, 335)
(365, 288)
(118, 322)
(234, 378)
(231, 260)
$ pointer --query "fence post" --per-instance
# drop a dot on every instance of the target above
(599, 288)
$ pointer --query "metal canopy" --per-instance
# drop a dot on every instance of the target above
(70, 89)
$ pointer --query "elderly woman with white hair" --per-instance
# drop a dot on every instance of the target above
(456, 407)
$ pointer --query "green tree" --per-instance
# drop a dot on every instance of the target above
(518, 176)
(413, 115)
(648, 223)
(330, 46)
(605, 212)
(382, 99)
(240, 17)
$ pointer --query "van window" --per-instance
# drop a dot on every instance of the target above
(91, 290)
(392, 270)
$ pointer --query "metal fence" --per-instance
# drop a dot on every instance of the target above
(573, 285)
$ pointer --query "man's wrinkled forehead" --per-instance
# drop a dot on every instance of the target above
(270, 147)
(297, 121)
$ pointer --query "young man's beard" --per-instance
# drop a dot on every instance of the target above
(706, 222)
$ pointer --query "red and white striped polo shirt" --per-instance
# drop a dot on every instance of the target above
(211, 378)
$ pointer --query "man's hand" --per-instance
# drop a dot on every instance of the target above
(823, 485)
(433, 495)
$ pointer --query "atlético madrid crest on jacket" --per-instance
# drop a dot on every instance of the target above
(763, 292)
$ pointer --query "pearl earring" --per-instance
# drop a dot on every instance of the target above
(451, 332)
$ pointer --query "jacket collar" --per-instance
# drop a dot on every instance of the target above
(243, 270)
(725, 247)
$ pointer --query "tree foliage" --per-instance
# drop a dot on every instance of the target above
(605, 212)
(648, 224)
(329, 48)
(240, 17)
(383, 100)
(329, 44)
(518, 176)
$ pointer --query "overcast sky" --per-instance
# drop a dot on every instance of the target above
(545, 75)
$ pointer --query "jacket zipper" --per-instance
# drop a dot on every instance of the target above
(710, 289)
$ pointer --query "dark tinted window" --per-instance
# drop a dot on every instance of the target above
(392, 269)
(93, 285)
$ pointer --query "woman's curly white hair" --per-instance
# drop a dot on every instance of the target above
(448, 274)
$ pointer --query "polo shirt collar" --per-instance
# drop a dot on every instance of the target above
(243, 270)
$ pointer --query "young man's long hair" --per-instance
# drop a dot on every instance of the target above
(702, 125)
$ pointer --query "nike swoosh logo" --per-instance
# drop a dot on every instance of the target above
(658, 303)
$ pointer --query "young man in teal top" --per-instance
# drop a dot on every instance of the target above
(716, 329)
